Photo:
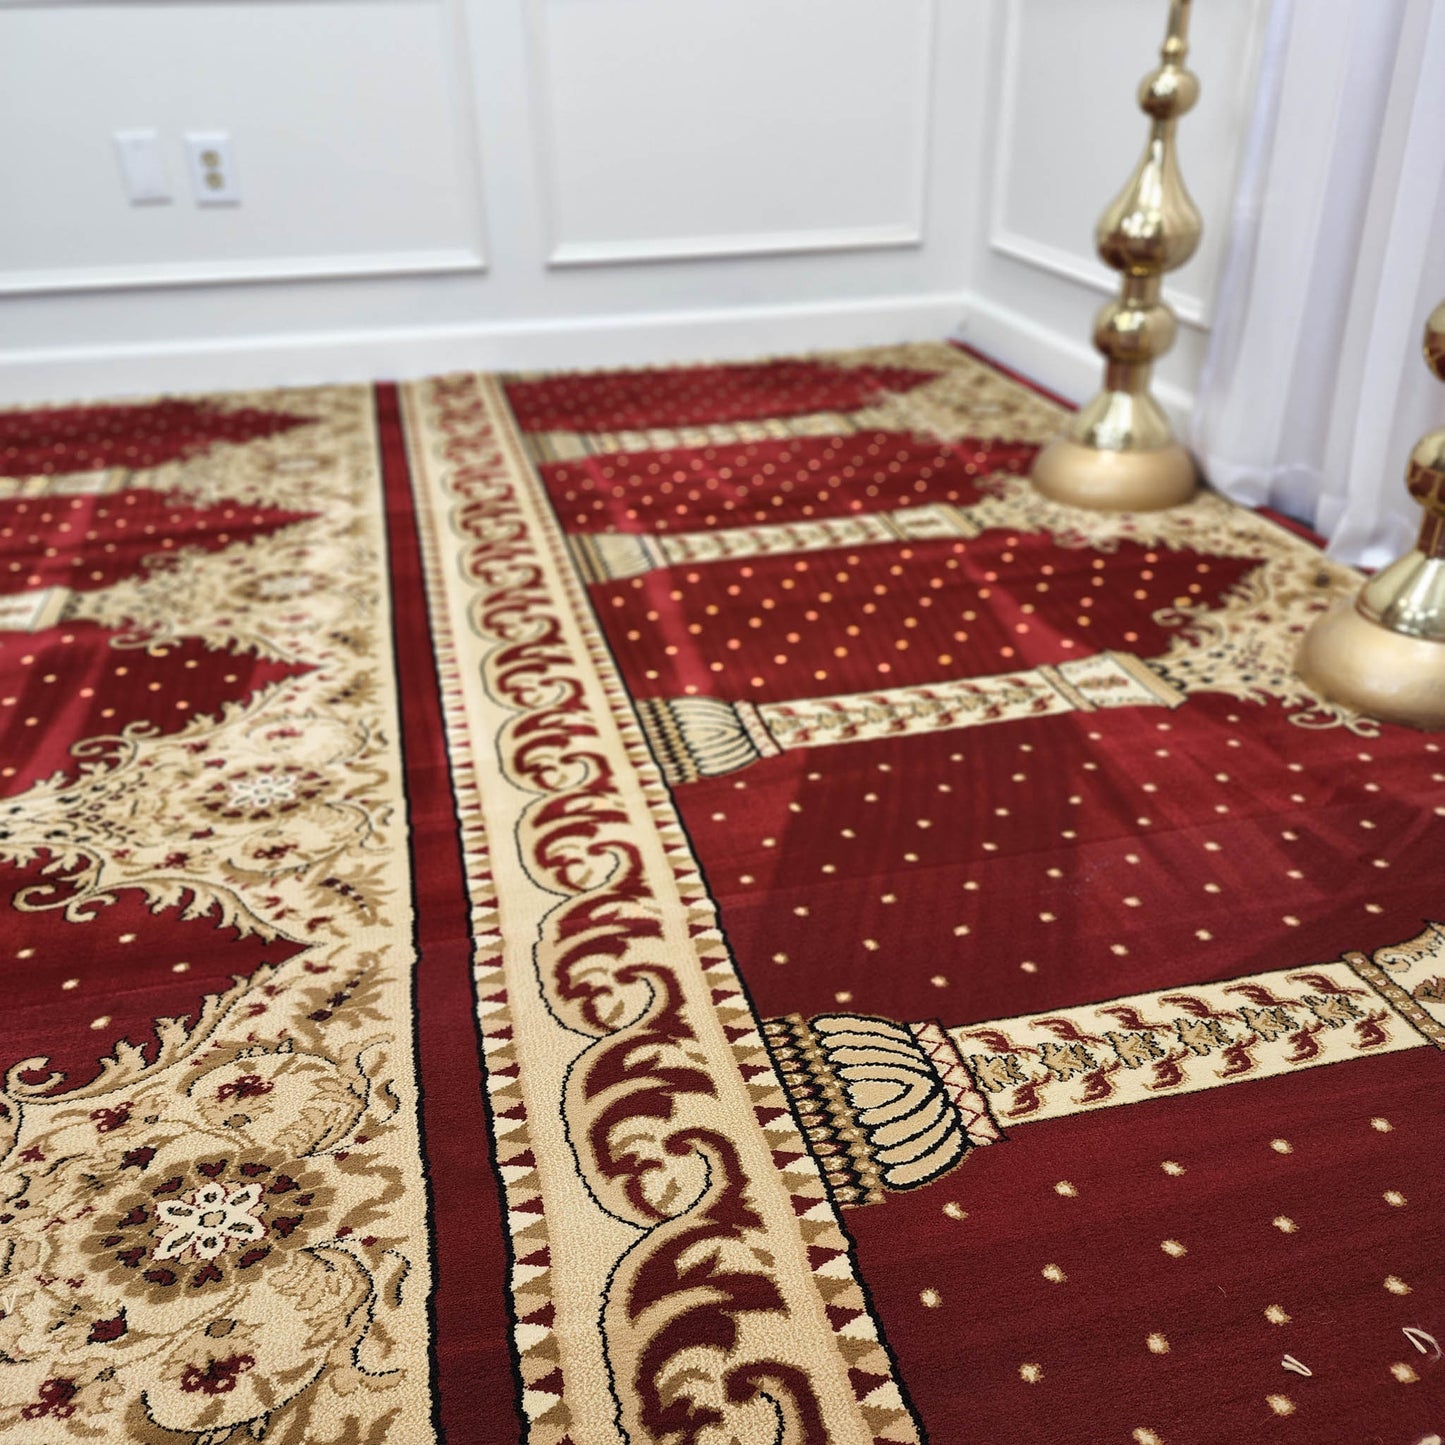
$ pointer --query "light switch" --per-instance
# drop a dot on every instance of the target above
(143, 167)
(213, 168)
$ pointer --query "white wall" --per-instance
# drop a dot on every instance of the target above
(431, 184)
(1063, 78)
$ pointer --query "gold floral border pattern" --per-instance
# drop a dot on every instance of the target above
(681, 1206)
(285, 1111)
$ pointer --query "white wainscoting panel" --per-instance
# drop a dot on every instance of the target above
(1065, 77)
(664, 180)
(351, 124)
(1071, 130)
(691, 128)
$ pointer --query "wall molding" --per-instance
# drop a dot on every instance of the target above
(1058, 262)
(1061, 363)
(758, 243)
(241, 272)
(562, 253)
(1003, 240)
(40, 375)
(470, 256)
(98, 4)
(467, 126)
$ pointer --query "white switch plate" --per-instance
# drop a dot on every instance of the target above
(143, 167)
(213, 168)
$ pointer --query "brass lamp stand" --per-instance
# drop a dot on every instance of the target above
(1384, 654)
(1119, 453)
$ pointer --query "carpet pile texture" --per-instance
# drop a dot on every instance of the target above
(691, 906)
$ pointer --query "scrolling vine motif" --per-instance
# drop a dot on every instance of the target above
(695, 1316)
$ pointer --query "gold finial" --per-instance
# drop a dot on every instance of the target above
(1119, 453)
(1384, 654)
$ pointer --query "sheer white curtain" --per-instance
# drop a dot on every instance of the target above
(1313, 391)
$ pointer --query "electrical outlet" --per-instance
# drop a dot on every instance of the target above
(213, 168)
(143, 167)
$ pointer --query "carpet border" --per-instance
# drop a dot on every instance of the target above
(876, 1412)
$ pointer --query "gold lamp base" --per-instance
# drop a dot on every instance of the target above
(1385, 654)
(1367, 666)
(1114, 481)
(1119, 454)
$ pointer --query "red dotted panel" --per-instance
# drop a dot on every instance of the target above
(88, 542)
(698, 395)
(764, 483)
(107, 976)
(1123, 1341)
(1038, 863)
(69, 683)
(84, 438)
(865, 619)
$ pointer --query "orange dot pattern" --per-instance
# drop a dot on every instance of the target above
(66, 683)
(764, 483)
(57, 440)
(685, 396)
(774, 628)
(89, 542)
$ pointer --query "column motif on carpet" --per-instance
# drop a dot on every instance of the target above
(651, 1139)
(1239, 649)
(888, 1107)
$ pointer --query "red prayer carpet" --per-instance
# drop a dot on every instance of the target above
(691, 906)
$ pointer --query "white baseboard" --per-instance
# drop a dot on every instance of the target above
(318, 357)
(1070, 367)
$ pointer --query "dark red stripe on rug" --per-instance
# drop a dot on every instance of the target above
(471, 1354)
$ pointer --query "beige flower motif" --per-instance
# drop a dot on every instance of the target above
(260, 791)
(210, 1221)
(218, 1244)
(263, 791)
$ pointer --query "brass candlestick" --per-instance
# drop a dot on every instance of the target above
(1384, 654)
(1119, 454)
